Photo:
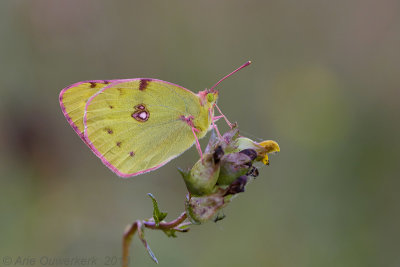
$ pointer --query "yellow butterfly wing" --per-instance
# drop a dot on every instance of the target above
(135, 126)
(73, 101)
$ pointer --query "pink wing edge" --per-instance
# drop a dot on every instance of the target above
(64, 111)
(86, 139)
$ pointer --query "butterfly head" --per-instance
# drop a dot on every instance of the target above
(208, 97)
(212, 97)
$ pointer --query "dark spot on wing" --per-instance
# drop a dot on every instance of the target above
(143, 84)
(119, 144)
(131, 153)
(92, 84)
(141, 113)
(106, 82)
(121, 92)
(109, 130)
(111, 107)
(140, 106)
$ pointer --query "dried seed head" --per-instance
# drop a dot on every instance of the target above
(202, 209)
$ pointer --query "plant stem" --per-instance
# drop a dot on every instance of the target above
(137, 226)
(166, 225)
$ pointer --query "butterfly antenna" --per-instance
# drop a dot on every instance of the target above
(241, 67)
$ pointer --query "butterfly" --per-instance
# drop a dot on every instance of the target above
(138, 125)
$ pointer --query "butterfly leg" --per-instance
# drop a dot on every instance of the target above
(189, 121)
(194, 130)
(223, 116)
(216, 118)
(213, 119)
(216, 129)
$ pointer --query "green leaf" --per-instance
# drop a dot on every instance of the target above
(219, 217)
(184, 227)
(184, 173)
(146, 245)
(170, 232)
(157, 214)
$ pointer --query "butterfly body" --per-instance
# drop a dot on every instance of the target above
(137, 125)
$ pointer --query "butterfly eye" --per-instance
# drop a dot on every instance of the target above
(210, 97)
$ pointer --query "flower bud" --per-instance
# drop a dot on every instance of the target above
(202, 178)
(234, 165)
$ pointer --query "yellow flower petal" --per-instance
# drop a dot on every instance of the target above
(270, 145)
(265, 160)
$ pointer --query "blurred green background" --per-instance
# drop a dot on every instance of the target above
(324, 84)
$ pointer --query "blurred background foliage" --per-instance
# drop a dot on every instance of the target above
(324, 84)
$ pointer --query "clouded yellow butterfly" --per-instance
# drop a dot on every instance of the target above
(138, 125)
